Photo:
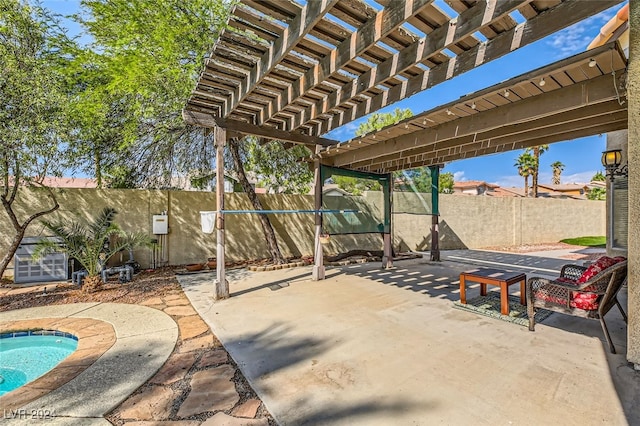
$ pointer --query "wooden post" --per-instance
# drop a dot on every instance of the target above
(387, 254)
(318, 260)
(221, 285)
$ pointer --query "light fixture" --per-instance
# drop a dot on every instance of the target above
(449, 112)
(592, 63)
(424, 122)
(611, 161)
(374, 136)
(542, 82)
(506, 93)
(473, 105)
(406, 125)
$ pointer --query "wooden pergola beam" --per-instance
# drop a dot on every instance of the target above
(207, 120)
(573, 118)
(374, 30)
(298, 28)
(589, 92)
(553, 131)
(563, 15)
(528, 143)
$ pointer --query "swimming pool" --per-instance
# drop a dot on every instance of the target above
(25, 356)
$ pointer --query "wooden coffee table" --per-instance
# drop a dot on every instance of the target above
(494, 277)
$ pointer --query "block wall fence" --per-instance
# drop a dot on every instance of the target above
(465, 222)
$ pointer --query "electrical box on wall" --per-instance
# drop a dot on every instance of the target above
(160, 224)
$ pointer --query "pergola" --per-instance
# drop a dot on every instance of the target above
(293, 71)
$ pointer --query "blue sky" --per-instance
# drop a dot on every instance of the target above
(581, 156)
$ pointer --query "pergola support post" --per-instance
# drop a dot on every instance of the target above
(221, 290)
(435, 212)
(387, 253)
(318, 260)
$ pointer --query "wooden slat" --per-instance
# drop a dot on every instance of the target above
(374, 30)
(444, 37)
(300, 25)
(565, 14)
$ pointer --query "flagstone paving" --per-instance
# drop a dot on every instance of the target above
(198, 384)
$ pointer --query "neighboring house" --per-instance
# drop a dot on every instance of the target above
(507, 192)
(473, 187)
(332, 190)
(69, 182)
(573, 190)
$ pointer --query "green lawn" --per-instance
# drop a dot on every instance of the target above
(586, 241)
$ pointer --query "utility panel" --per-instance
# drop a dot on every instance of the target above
(49, 268)
(160, 224)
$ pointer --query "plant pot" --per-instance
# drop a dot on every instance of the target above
(212, 264)
(194, 267)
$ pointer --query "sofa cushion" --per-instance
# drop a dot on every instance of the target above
(595, 268)
(586, 301)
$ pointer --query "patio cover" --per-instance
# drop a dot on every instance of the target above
(296, 70)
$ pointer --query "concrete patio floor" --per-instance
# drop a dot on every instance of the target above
(379, 347)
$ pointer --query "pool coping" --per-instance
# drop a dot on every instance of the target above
(94, 339)
(131, 342)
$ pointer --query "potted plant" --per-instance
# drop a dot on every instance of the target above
(91, 244)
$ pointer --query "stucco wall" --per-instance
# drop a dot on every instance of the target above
(465, 221)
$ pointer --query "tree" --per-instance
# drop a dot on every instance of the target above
(597, 193)
(599, 177)
(445, 183)
(536, 151)
(375, 122)
(557, 168)
(33, 115)
(91, 244)
(525, 164)
(148, 56)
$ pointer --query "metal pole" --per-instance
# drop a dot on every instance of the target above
(387, 251)
(221, 290)
(435, 212)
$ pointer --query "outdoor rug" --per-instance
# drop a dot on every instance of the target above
(489, 305)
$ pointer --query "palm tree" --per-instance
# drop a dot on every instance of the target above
(537, 152)
(557, 167)
(91, 244)
(525, 164)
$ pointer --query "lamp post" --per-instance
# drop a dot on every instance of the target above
(611, 161)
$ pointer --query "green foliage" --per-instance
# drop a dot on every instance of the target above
(133, 80)
(599, 177)
(278, 168)
(91, 244)
(525, 164)
(33, 93)
(356, 186)
(598, 194)
(557, 168)
(378, 121)
(590, 241)
(446, 183)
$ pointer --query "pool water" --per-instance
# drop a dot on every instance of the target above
(25, 358)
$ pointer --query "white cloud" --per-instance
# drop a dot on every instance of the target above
(459, 177)
(582, 177)
(511, 181)
(577, 37)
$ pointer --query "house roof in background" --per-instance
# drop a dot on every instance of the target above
(69, 182)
